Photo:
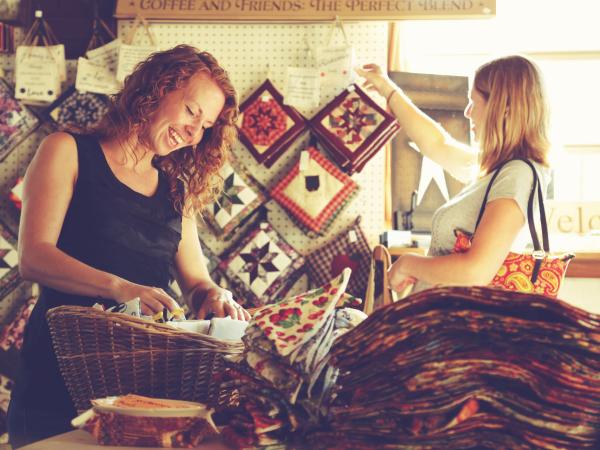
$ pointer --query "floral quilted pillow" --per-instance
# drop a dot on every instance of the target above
(262, 267)
(267, 127)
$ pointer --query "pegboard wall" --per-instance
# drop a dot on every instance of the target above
(253, 52)
(250, 53)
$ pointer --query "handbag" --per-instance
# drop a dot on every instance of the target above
(538, 272)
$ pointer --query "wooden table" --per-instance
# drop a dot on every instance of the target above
(81, 440)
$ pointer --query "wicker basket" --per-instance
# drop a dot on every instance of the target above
(102, 354)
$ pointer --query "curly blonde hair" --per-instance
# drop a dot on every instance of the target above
(131, 111)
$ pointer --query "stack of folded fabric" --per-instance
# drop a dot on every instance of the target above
(353, 128)
(284, 375)
(462, 368)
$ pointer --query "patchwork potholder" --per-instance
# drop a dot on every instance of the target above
(9, 272)
(314, 191)
(16, 120)
(348, 249)
(262, 267)
(240, 199)
(267, 127)
(353, 128)
(78, 110)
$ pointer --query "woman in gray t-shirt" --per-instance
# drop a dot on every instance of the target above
(508, 115)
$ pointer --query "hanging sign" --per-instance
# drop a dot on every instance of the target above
(289, 10)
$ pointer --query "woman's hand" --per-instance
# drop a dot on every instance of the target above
(219, 302)
(399, 281)
(152, 299)
(376, 78)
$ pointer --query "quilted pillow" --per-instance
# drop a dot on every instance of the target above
(314, 192)
(16, 120)
(262, 268)
(354, 128)
(348, 249)
(76, 110)
(267, 127)
(240, 199)
(9, 272)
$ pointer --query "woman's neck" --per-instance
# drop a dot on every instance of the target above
(129, 153)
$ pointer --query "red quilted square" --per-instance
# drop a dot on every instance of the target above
(267, 127)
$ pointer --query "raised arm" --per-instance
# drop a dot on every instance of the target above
(458, 159)
(48, 189)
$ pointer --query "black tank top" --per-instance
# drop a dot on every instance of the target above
(111, 228)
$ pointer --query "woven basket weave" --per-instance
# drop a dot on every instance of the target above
(102, 354)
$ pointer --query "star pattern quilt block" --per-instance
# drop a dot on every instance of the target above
(262, 268)
(9, 271)
(352, 121)
(241, 198)
(267, 127)
(353, 128)
(16, 120)
(314, 192)
(349, 248)
(76, 110)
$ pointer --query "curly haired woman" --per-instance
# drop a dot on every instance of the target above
(108, 216)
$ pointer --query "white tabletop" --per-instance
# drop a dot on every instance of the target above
(81, 440)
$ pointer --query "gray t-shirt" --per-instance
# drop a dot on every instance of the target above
(514, 181)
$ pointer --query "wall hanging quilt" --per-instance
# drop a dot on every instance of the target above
(348, 249)
(267, 127)
(9, 272)
(16, 120)
(78, 110)
(262, 267)
(241, 198)
(16, 193)
(314, 191)
(353, 128)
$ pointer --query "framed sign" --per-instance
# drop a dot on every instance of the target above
(292, 10)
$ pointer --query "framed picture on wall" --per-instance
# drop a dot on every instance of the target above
(443, 98)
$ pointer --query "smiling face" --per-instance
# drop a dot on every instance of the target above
(475, 112)
(184, 115)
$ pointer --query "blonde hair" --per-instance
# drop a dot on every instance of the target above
(516, 118)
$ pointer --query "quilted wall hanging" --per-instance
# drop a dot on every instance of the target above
(348, 249)
(240, 200)
(16, 120)
(314, 192)
(9, 272)
(267, 127)
(262, 268)
(353, 128)
(78, 111)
